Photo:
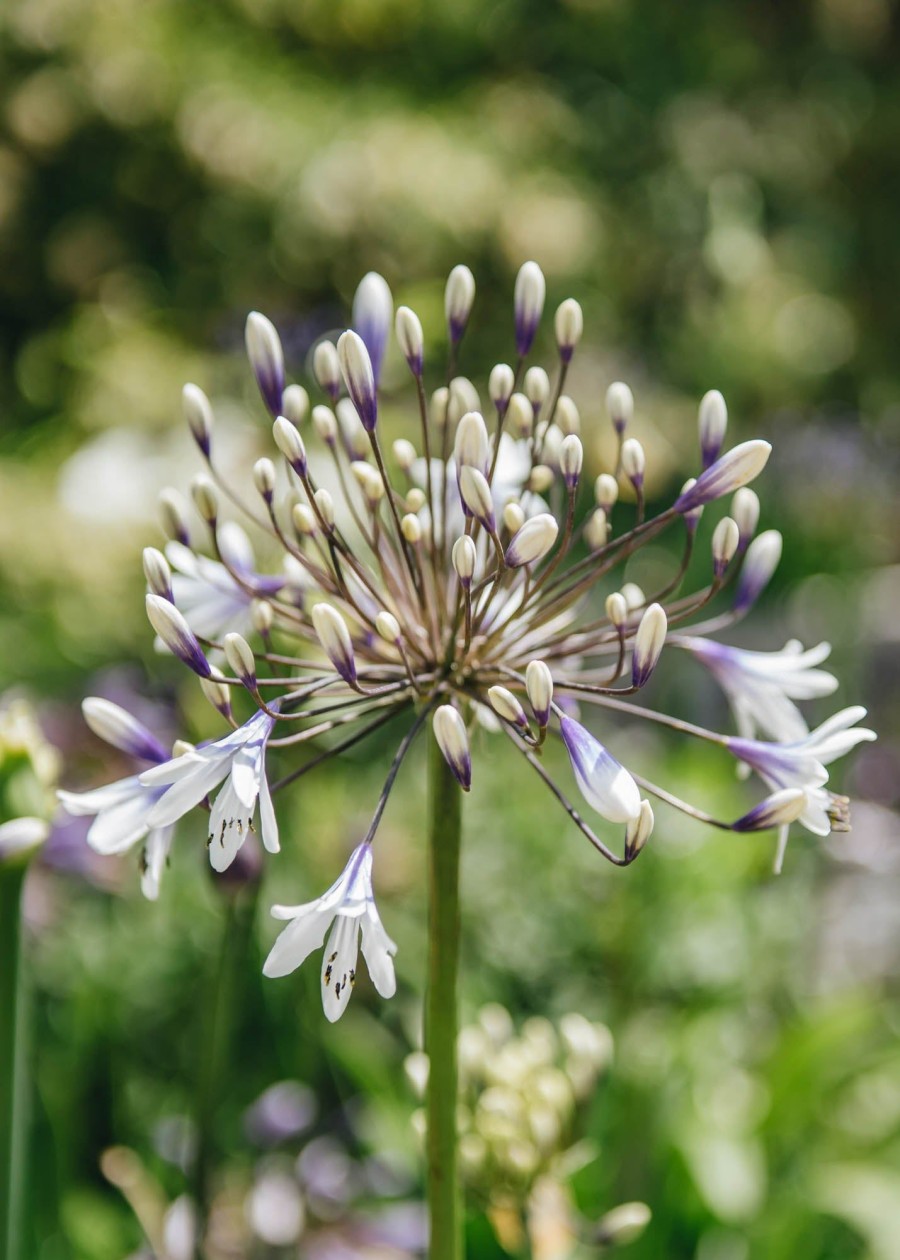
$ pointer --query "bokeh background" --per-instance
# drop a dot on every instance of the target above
(716, 183)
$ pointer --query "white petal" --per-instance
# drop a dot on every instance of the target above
(117, 829)
(268, 821)
(339, 966)
(298, 940)
(378, 948)
(156, 854)
(92, 802)
(181, 797)
(229, 825)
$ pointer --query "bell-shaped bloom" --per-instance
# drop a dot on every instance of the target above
(603, 782)
(761, 687)
(348, 908)
(240, 759)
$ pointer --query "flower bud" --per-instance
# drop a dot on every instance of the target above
(633, 461)
(536, 387)
(373, 309)
(539, 685)
(528, 303)
(411, 528)
(20, 836)
(264, 478)
(603, 782)
(410, 338)
(218, 694)
(778, 810)
(606, 492)
(266, 358)
(571, 458)
(327, 369)
(745, 510)
(304, 518)
(733, 469)
(541, 478)
(472, 445)
(459, 295)
(158, 573)
(325, 423)
(359, 377)
(533, 540)
(176, 634)
(415, 499)
(504, 703)
(331, 630)
(712, 421)
(295, 404)
(513, 517)
(596, 531)
(500, 386)
(206, 498)
(567, 416)
(692, 517)
(325, 504)
(173, 512)
(450, 733)
(634, 596)
(648, 643)
(199, 415)
(240, 658)
(760, 563)
(351, 430)
(404, 454)
(476, 496)
(439, 407)
(619, 406)
(568, 324)
(638, 830)
(725, 539)
(262, 615)
(116, 726)
(290, 443)
(520, 415)
(622, 1225)
(464, 557)
(388, 626)
(463, 398)
(617, 609)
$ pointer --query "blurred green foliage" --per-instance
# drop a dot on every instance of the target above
(713, 183)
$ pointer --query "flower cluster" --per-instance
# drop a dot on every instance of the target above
(463, 576)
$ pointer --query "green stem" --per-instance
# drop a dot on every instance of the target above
(13, 1062)
(441, 1009)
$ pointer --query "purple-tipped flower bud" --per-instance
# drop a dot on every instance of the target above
(266, 358)
(648, 644)
(778, 810)
(500, 386)
(692, 517)
(733, 469)
(568, 324)
(571, 458)
(539, 685)
(520, 415)
(531, 289)
(476, 497)
(331, 630)
(633, 461)
(712, 421)
(760, 563)
(359, 377)
(158, 573)
(173, 513)
(606, 492)
(325, 424)
(206, 498)
(603, 782)
(504, 703)
(295, 404)
(373, 310)
(745, 510)
(327, 369)
(262, 615)
(240, 658)
(619, 406)
(472, 445)
(450, 733)
(411, 338)
(638, 831)
(725, 541)
(176, 634)
(264, 478)
(533, 540)
(116, 726)
(536, 387)
(459, 296)
(217, 693)
(290, 443)
(199, 415)
(464, 556)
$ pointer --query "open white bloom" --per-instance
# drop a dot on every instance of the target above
(762, 686)
(212, 601)
(348, 907)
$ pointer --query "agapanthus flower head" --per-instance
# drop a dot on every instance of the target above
(460, 577)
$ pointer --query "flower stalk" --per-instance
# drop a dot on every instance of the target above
(13, 1061)
(441, 1007)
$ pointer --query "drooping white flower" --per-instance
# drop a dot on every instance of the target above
(761, 687)
(349, 908)
(239, 757)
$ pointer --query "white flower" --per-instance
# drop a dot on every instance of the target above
(186, 780)
(349, 905)
(603, 782)
(762, 686)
